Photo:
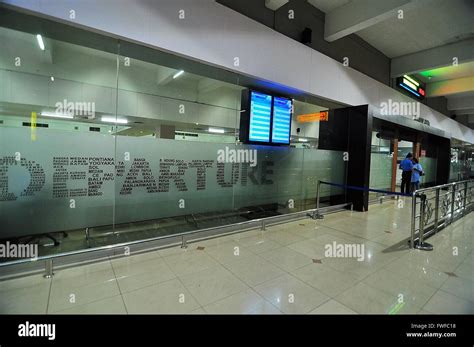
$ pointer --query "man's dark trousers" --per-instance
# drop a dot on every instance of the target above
(406, 182)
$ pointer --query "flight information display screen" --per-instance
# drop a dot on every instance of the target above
(260, 117)
(265, 118)
(282, 109)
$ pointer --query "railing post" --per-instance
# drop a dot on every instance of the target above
(422, 219)
(453, 196)
(413, 220)
(317, 195)
(425, 246)
(469, 191)
(263, 227)
(183, 242)
(448, 215)
(87, 236)
(436, 211)
(316, 214)
(48, 267)
(465, 198)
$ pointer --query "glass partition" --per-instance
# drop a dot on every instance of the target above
(380, 165)
(323, 165)
(429, 166)
(56, 154)
(104, 146)
(461, 167)
(380, 171)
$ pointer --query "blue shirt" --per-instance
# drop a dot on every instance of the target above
(406, 164)
(415, 176)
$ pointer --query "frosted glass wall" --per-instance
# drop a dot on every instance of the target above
(380, 171)
(103, 142)
(429, 167)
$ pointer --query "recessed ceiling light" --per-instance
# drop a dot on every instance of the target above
(57, 115)
(216, 130)
(110, 119)
(179, 73)
(40, 41)
(52, 78)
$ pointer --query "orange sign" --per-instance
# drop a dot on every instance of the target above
(322, 116)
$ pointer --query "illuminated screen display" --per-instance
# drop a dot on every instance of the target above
(412, 86)
(260, 117)
(281, 120)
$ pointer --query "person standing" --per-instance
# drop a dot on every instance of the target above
(415, 176)
(406, 166)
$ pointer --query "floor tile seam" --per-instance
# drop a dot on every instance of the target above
(343, 231)
(401, 275)
(228, 296)
(241, 279)
(440, 290)
(118, 285)
(298, 279)
(117, 266)
(378, 301)
(91, 284)
(217, 260)
(457, 296)
(244, 290)
(180, 281)
(88, 303)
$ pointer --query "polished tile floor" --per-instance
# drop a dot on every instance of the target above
(284, 269)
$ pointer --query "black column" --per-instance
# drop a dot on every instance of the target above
(359, 148)
(350, 130)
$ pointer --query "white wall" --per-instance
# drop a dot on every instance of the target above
(215, 34)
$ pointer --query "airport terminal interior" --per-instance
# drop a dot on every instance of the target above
(236, 157)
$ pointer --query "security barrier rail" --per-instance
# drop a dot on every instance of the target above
(436, 207)
(117, 250)
(317, 215)
(433, 208)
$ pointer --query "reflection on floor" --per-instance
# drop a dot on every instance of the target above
(285, 269)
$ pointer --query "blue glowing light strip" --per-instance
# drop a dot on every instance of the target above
(409, 89)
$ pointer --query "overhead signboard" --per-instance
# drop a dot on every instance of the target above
(322, 116)
(412, 86)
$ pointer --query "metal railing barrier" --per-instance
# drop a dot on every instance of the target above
(434, 208)
(317, 215)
